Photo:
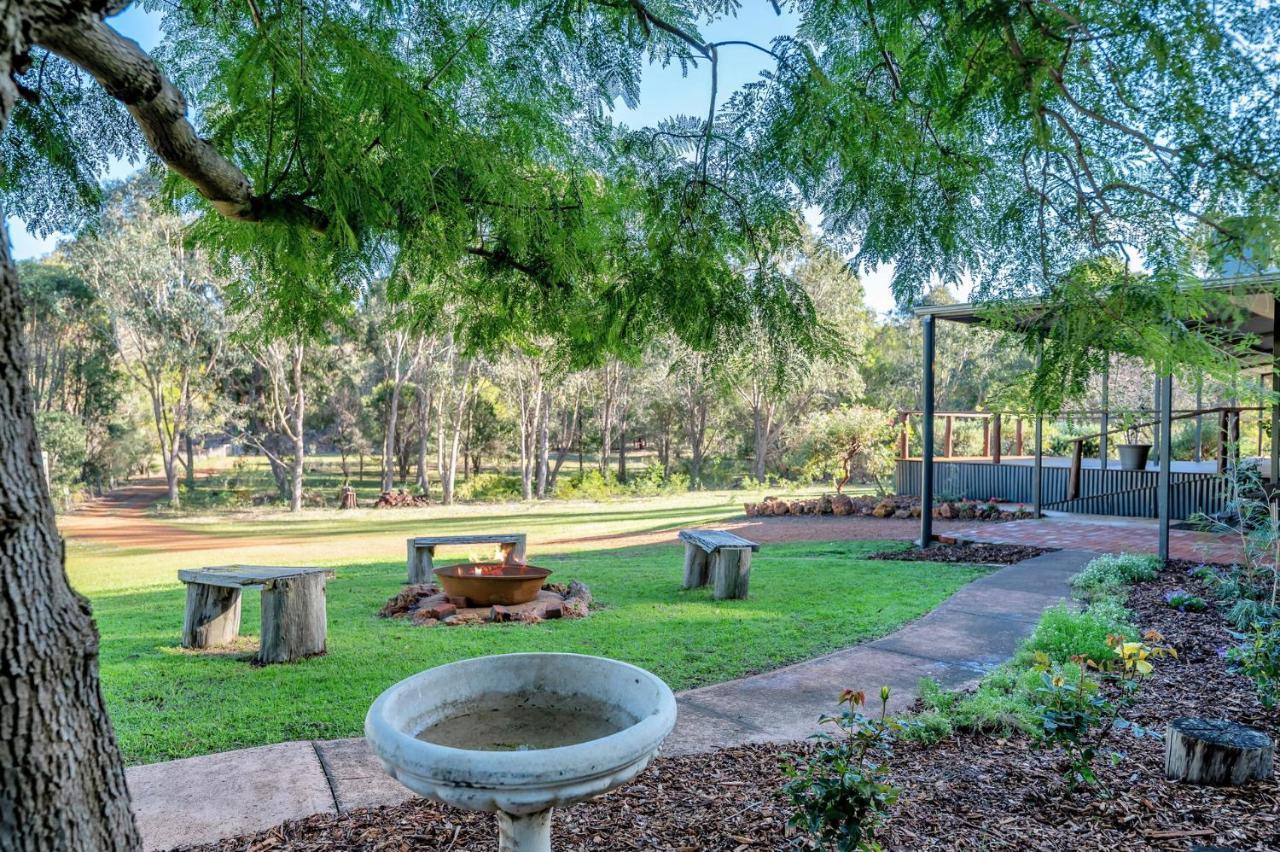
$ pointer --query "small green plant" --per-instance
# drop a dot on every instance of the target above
(1071, 709)
(1258, 657)
(1063, 634)
(928, 728)
(1184, 601)
(841, 792)
(1074, 713)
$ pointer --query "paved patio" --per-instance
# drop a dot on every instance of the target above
(204, 799)
(1130, 535)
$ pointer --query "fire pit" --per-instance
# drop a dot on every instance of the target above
(488, 583)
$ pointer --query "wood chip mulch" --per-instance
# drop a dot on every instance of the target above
(967, 792)
(962, 552)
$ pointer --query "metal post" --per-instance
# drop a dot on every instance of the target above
(1275, 432)
(1103, 438)
(1262, 386)
(1036, 469)
(1155, 433)
(1163, 481)
(926, 431)
(1199, 419)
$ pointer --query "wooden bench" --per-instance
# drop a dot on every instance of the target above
(719, 558)
(422, 550)
(293, 608)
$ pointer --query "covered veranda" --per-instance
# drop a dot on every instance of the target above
(1093, 484)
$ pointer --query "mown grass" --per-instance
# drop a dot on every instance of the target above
(806, 599)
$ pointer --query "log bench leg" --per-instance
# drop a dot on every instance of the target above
(421, 561)
(513, 552)
(212, 616)
(293, 619)
(730, 572)
(695, 566)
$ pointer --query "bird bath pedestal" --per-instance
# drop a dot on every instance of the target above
(520, 734)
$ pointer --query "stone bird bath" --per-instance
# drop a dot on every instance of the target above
(520, 734)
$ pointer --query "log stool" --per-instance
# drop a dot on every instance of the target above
(720, 559)
(1217, 752)
(293, 608)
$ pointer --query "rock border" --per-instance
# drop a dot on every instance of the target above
(893, 506)
(427, 605)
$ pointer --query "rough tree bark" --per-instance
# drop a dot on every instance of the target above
(61, 778)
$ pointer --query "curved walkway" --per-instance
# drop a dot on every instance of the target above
(202, 799)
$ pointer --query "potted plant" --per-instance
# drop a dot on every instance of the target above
(1134, 451)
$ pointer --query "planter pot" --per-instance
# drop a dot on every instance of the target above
(1133, 456)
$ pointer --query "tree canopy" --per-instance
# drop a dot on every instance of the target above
(465, 150)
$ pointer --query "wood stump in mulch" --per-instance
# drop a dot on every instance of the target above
(347, 499)
(428, 606)
(1216, 752)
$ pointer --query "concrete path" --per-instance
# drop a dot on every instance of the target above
(202, 799)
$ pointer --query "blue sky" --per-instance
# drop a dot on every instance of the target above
(664, 92)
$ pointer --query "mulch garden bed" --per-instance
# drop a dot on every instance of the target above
(967, 792)
(963, 552)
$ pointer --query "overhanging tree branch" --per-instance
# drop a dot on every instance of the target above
(132, 77)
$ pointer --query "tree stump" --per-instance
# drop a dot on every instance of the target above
(695, 566)
(347, 500)
(212, 616)
(293, 618)
(1216, 752)
(731, 572)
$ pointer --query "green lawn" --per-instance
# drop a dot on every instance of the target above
(806, 599)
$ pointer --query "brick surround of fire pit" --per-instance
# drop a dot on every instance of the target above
(427, 605)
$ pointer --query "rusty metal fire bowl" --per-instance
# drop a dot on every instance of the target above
(487, 583)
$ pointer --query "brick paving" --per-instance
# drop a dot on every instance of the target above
(1113, 537)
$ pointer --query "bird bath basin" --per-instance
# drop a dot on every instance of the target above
(520, 734)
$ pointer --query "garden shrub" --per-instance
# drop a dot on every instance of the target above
(841, 792)
(1109, 572)
(1063, 634)
(1258, 658)
(489, 488)
(597, 486)
(1010, 698)
(928, 728)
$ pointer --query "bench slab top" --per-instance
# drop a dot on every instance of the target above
(712, 540)
(495, 538)
(234, 576)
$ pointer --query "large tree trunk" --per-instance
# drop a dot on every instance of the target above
(299, 436)
(389, 438)
(191, 459)
(425, 401)
(459, 420)
(544, 446)
(760, 434)
(61, 777)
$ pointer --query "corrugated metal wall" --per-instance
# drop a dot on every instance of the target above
(1123, 493)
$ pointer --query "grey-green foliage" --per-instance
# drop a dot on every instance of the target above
(1106, 574)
